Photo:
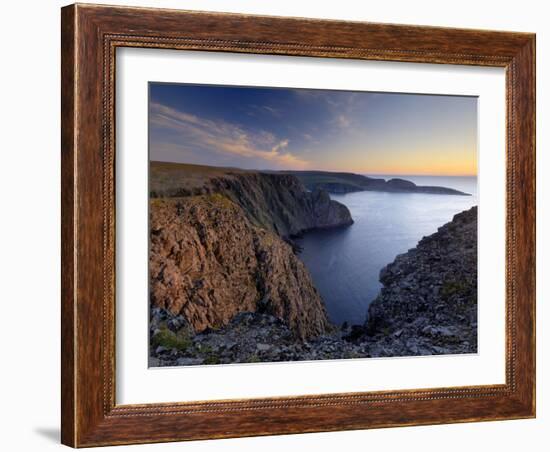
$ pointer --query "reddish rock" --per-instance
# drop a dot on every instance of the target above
(208, 262)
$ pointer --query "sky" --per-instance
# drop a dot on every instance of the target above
(303, 129)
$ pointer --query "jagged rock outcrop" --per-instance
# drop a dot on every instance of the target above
(428, 304)
(209, 262)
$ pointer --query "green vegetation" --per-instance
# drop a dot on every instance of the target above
(166, 338)
(210, 356)
(168, 179)
(452, 287)
(253, 359)
(215, 199)
(212, 359)
(219, 199)
(204, 348)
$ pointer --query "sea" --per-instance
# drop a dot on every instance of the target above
(345, 263)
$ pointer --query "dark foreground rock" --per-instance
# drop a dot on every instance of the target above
(250, 337)
(428, 304)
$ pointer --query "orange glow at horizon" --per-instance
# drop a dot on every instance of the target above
(465, 167)
(289, 129)
(428, 162)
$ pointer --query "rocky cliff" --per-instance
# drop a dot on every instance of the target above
(274, 201)
(209, 261)
(428, 304)
(281, 203)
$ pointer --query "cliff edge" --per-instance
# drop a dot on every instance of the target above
(218, 247)
(274, 201)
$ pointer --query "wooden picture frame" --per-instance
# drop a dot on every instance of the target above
(90, 36)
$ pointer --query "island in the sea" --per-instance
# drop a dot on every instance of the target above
(227, 284)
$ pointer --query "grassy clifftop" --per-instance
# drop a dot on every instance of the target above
(278, 202)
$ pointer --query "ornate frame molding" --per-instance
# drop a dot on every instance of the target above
(90, 37)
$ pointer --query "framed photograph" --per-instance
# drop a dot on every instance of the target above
(281, 225)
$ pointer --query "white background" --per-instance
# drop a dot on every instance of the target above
(29, 392)
(137, 384)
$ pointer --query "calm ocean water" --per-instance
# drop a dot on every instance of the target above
(345, 263)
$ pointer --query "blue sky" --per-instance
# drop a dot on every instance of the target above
(280, 128)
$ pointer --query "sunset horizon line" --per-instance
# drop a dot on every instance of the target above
(299, 130)
(360, 172)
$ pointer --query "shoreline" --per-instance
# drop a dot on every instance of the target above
(261, 337)
(356, 256)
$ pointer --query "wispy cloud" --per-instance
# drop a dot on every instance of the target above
(274, 111)
(254, 109)
(223, 137)
(280, 145)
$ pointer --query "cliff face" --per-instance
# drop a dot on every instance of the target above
(428, 304)
(209, 261)
(272, 200)
(281, 203)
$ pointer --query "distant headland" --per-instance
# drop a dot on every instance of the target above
(340, 183)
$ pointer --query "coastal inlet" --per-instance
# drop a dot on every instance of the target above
(345, 263)
(249, 266)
